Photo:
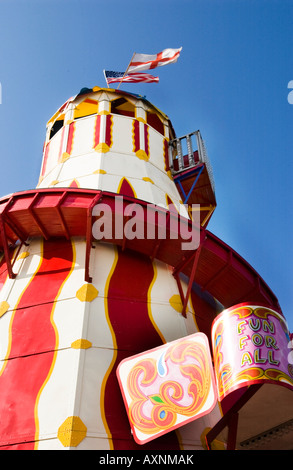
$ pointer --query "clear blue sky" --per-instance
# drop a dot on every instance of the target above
(231, 82)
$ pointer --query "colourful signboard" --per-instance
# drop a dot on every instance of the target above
(168, 386)
(251, 344)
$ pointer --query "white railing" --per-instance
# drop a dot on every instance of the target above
(187, 152)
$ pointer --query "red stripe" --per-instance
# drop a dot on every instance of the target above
(70, 138)
(146, 140)
(136, 135)
(154, 63)
(166, 155)
(97, 130)
(109, 121)
(61, 144)
(45, 159)
(33, 342)
(134, 332)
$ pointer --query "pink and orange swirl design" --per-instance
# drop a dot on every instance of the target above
(178, 383)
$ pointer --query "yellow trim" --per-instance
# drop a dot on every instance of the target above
(99, 172)
(176, 303)
(64, 157)
(172, 202)
(142, 155)
(149, 306)
(120, 184)
(81, 344)
(146, 178)
(87, 293)
(104, 112)
(23, 255)
(149, 303)
(102, 147)
(140, 119)
(56, 345)
(4, 306)
(170, 175)
(77, 183)
(72, 431)
(103, 385)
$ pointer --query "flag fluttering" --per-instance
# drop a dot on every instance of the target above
(141, 62)
(118, 77)
(145, 62)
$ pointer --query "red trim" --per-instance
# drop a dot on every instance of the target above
(128, 305)
(47, 146)
(146, 139)
(34, 214)
(136, 135)
(108, 136)
(33, 343)
(97, 130)
(70, 138)
(166, 155)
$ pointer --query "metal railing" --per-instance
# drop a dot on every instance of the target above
(187, 152)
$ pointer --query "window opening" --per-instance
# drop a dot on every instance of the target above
(58, 124)
(122, 107)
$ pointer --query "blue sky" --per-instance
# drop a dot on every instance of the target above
(231, 82)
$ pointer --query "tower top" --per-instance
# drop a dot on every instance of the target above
(111, 94)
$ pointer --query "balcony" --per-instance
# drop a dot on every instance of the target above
(192, 174)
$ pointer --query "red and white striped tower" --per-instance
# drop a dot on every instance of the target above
(72, 307)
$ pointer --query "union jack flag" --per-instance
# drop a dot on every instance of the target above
(116, 77)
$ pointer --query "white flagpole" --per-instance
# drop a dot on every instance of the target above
(106, 78)
(126, 70)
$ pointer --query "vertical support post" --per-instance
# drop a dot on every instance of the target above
(181, 293)
(232, 431)
(189, 150)
(170, 151)
(179, 153)
(6, 250)
(200, 147)
(194, 266)
(229, 419)
(89, 235)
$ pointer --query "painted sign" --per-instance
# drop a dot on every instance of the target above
(250, 345)
(168, 386)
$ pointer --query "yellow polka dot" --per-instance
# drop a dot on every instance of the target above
(4, 306)
(87, 293)
(81, 344)
(23, 255)
(175, 302)
(72, 432)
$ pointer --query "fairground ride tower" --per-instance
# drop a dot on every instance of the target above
(73, 306)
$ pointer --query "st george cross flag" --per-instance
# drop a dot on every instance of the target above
(144, 61)
(114, 77)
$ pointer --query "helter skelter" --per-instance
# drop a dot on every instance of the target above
(73, 307)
